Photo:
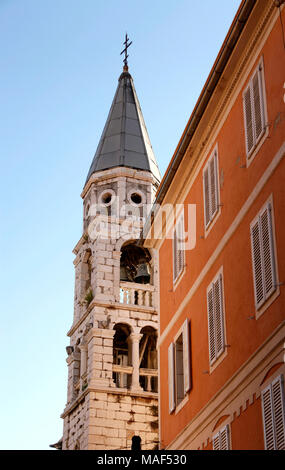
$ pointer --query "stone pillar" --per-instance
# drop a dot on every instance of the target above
(73, 362)
(83, 362)
(135, 343)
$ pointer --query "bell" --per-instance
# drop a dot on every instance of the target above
(123, 274)
(143, 274)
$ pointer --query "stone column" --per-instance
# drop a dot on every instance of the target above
(83, 362)
(135, 344)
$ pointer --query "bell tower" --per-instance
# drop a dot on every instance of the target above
(112, 355)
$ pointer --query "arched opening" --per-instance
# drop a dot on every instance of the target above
(121, 356)
(135, 264)
(148, 359)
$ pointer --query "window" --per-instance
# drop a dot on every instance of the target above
(221, 440)
(264, 272)
(273, 413)
(178, 248)
(216, 318)
(179, 378)
(254, 110)
(211, 193)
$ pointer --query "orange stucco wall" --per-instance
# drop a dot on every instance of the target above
(243, 335)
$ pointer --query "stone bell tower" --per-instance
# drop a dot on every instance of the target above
(112, 356)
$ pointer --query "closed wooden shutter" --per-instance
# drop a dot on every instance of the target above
(253, 106)
(186, 355)
(211, 326)
(211, 193)
(214, 185)
(267, 251)
(175, 260)
(221, 440)
(264, 271)
(273, 411)
(257, 105)
(224, 438)
(178, 248)
(268, 418)
(216, 319)
(216, 442)
(206, 196)
(219, 316)
(257, 264)
(248, 117)
(171, 382)
(279, 412)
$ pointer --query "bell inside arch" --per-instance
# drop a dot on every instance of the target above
(143, 274)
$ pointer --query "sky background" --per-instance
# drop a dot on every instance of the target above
(60, 62)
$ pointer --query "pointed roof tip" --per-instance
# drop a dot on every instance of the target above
(124, 141)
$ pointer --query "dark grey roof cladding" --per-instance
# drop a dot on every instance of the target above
(125, 141)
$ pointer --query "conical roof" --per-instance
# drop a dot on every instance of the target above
(125, 141)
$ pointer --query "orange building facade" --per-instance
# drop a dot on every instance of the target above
(222, 302)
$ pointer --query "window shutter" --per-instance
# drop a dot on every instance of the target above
(267, 418)
(263, 257)
(216, 442)
(257, 105)
(181, 250)
(278, 412)
(178, 248)
(273, 411)
(224, 438)
(216, 319)
(171, 390)
(253, 106)
(219, 317)
(175, 261)
(206, 196)
(248, 116)
(186, 356)
(211, 325)
(221, 440)
(213, 185)
(257, 264)
(267, 251)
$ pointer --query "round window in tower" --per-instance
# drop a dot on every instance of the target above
(107, 198)
(136, 198)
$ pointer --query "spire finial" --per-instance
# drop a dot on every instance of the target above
(125, 50)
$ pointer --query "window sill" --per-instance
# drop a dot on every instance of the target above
(212, 223)
(218, 361)
(267, 303)
(181, 404)
(251, 156)
(178, 279)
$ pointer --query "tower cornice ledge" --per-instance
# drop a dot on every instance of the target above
(111, 305)
(118, 172)
(114, 391)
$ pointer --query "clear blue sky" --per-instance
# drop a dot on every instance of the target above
(60, 62)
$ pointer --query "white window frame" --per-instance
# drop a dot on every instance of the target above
(175, 402)
(211, 189)
(216, 318)
(273, 414)
(259, 253)
(178, 248)
(250, 121)
(221, 440)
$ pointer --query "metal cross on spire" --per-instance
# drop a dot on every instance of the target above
(126, 50)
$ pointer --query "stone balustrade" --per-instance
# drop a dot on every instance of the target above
(141, 295)
(149, 382)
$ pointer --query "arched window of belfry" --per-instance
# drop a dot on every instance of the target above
(121, 356)
(148, 359)
(135, 264)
